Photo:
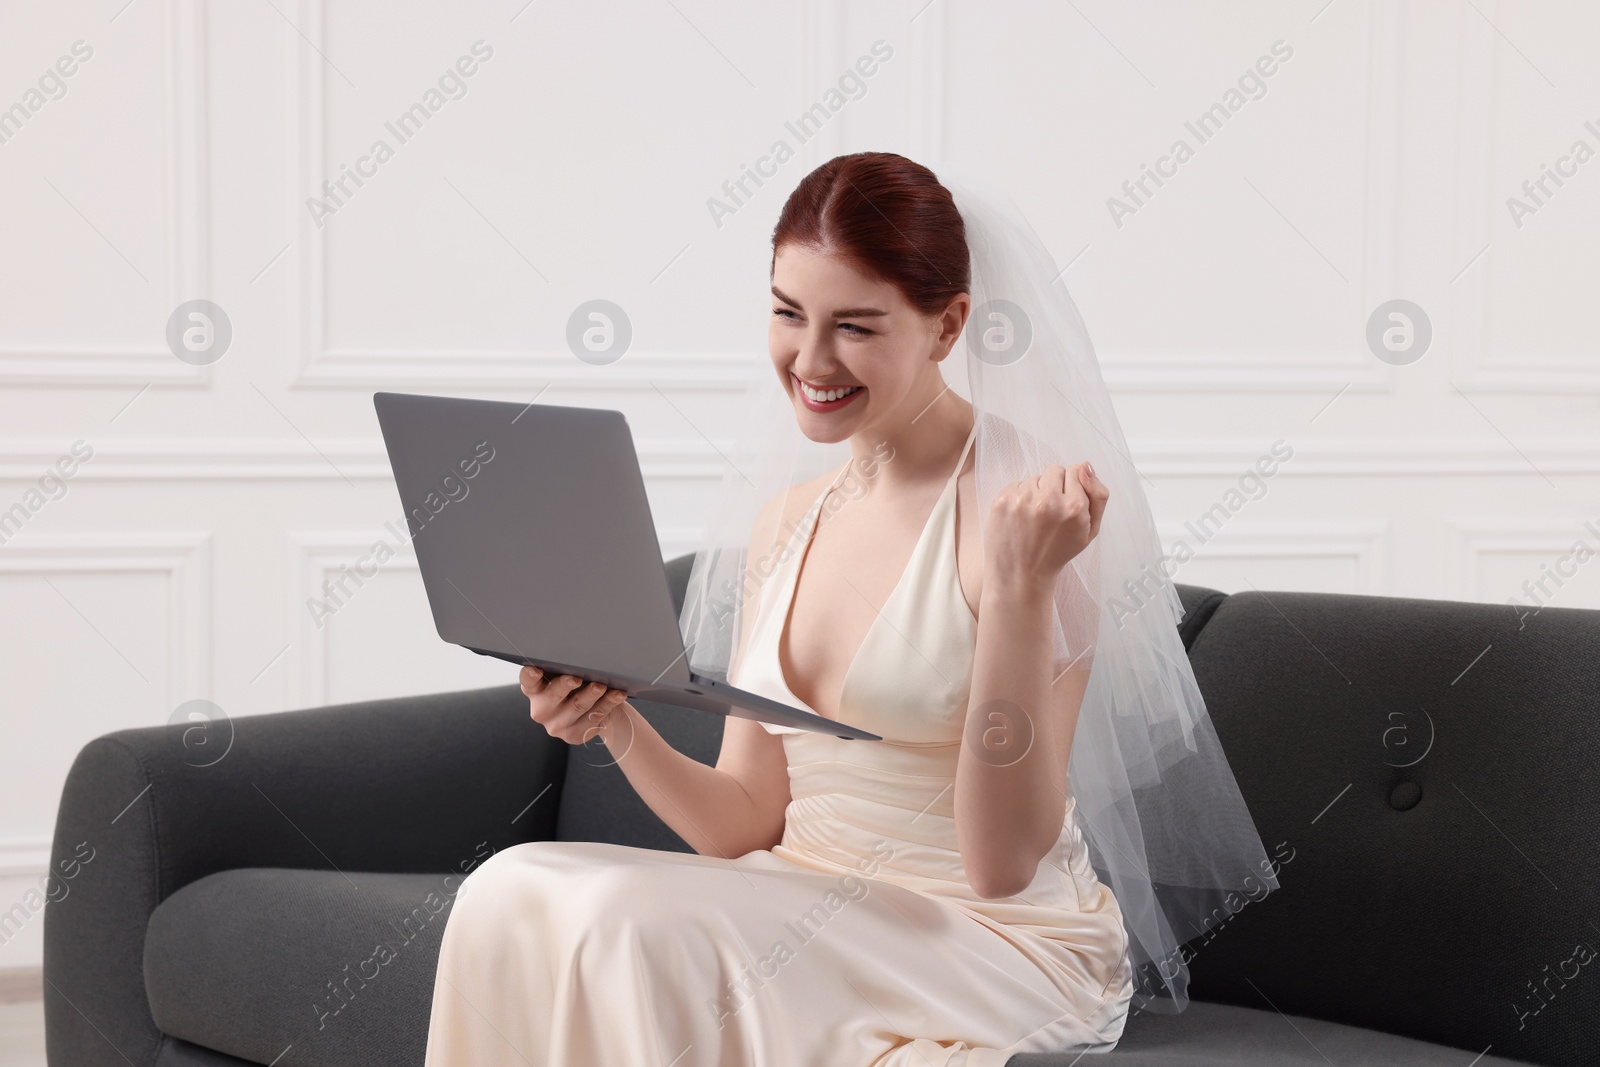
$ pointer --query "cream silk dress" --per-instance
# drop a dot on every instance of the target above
(855, 942)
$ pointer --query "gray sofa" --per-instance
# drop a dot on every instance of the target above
(1427, 767)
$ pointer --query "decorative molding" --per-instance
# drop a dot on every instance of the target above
(1540, 372)
(185, 557)
(1357, 370)
(822, 27)
(25, 859)
(188, 182)
(1477, 204)
(1359, 457)
(1244, 372)
(196, 459)
(1362, 541)
(76, 365)
(926, 60)
(685, 459)
(641, 372)
(823, 56)
(321, 366)
(305, 157)
(313, 556)
(1297, 372)
(187, 243)
(279, 458)
(1300, 372)
(1382, 246)
(1542, 539)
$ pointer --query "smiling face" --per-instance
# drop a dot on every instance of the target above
(836, 332)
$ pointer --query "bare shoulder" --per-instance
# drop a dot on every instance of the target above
(782, 512)
(774, 524)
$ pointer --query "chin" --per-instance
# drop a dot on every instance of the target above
(820, 428)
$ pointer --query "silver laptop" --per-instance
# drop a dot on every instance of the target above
(536, 544)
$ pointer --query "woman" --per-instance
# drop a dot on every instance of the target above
(930, 898)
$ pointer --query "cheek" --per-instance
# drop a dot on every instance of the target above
(780, 342)
(882, 368)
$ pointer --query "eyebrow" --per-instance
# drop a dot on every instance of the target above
(843, 313)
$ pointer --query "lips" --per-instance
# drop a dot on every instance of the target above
(808, 395)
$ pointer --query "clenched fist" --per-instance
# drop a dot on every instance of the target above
(566, 707)
(1037, 525)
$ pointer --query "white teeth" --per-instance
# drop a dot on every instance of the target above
(824, 395)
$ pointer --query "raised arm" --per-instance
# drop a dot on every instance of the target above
(1023, 711)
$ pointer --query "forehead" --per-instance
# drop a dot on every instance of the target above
(821, 274)
(821, 280)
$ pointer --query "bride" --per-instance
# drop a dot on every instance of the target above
(1002, 872)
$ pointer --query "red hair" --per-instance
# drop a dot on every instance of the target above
(888, 217)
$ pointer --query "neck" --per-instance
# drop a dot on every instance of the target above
(921, 443)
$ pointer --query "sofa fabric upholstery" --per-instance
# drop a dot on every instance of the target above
(1443, 853)
(343, 951)
(1430, 765)
(406, 785)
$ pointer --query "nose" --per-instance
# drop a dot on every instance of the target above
(811, 363)
(814, 353)
(815, 372)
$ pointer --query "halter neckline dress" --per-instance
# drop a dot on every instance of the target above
(924, 622)
(854, 942)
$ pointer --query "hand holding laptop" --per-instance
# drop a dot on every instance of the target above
(569, 709)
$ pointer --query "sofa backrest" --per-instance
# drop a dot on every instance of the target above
(1427, 768)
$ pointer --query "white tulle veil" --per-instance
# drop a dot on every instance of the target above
(1167, 829)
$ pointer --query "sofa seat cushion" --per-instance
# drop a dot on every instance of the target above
(1223, 1035)
(252, 961)
(340, 967)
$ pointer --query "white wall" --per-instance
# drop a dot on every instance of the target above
(1229, 309)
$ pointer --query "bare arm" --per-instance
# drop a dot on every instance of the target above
(727, 810)
(1011, 773)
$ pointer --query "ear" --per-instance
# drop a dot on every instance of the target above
(949, 323)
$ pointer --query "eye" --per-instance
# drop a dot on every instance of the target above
(859, 331)
(784, 313)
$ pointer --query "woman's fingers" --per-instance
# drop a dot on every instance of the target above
(594, 714)
(1098, 493)
(586, 694)
(545, 697)
(583, 712)
(531, 680)
(568, 707)
(535, 683)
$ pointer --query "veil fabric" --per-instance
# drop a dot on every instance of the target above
(1167, 828)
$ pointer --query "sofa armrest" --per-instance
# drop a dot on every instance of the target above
(411, 784)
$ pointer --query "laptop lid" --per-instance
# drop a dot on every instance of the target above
(534, 534)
